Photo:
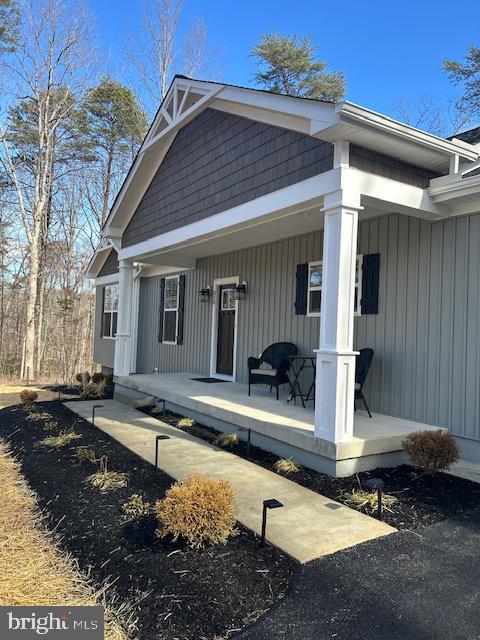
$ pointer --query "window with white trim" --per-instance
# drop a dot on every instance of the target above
(110, 311)
(170, 310)
(314, 291)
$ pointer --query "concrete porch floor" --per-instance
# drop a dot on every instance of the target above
(278, 426)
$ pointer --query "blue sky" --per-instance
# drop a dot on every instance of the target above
(388, 50)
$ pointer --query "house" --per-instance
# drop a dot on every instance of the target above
(249, 218)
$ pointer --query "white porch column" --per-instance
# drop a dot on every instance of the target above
(335, 356)
(123, 339)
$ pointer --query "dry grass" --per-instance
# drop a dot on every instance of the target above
(108, 480)
(64, 438)
(227, 440)
(9, 394)
(33, 569)
(287, 466)
(199, 510)
(368, 500)
(94, 390)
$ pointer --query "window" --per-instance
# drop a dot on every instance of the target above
(314, 292)
(110, 311)
(228, 301)
(170, 310)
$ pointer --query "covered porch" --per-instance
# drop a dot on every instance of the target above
(276, 426)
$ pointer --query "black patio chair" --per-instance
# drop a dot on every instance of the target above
(277, 356)
(362, 365)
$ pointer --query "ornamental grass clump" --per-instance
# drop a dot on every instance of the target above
(368, 500)
(63, 438)
(227, 440)
(93, 390)
(106, 480)
(185, 422)
(84, 454)
(199, 510)
(50, 425)
(38, 415)
(287, 466)
(432, 451)
(135, 508)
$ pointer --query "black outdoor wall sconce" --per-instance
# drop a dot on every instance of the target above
(204, 294)
(240, 291)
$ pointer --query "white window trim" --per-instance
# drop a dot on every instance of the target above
(316, 263)
(110, 311)
(170, 309)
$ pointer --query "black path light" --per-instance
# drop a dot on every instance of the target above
(268, 504)
(249, 438)
(376, 484)
(95, 406)
(157, 440)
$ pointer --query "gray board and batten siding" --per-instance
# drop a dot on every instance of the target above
(425, 335)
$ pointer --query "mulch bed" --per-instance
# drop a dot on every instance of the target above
(176, 593)
(421, 499)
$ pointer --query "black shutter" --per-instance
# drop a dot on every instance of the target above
(181, 307)
(160, 312)
(370, 280)
(102, 317)
(301, 290)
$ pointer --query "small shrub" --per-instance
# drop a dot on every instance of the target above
(227, 440)
(135, 508)
(156, 410)
(199, 510)
(64, 438)
(93, 390)
(84, 454)
(287, 466)
(109, 379)
(432, 451)
(185, 422)
(28, 397)
(38, 415)
(50, 425)
(83, 378)
(97, 378)
(368, 500)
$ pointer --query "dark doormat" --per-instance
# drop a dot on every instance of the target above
(209, 380)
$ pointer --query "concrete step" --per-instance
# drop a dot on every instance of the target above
(132, 397)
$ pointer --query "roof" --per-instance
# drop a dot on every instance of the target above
(472, 136)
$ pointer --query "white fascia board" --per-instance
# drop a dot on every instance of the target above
(455, 188)
(98, 260)
(282, 202)
(110, 279)
(401, 197)
(367, 117)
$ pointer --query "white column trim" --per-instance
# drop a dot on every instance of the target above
(123, 338)
(335, 379)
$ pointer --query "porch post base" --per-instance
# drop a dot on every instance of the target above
(123, 355)
(334, 403)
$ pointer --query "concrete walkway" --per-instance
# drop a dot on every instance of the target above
(309, 525)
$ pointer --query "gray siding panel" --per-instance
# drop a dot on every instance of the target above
(103, 348)
(110, 266)
(426, 335)
(388, 167)
(219, 161)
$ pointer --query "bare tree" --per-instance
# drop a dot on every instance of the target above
(157, 52)
(49, 64)
(426, 114)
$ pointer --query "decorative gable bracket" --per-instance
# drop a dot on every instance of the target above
(183, 100)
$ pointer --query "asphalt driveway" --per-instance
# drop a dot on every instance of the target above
(406, 586)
